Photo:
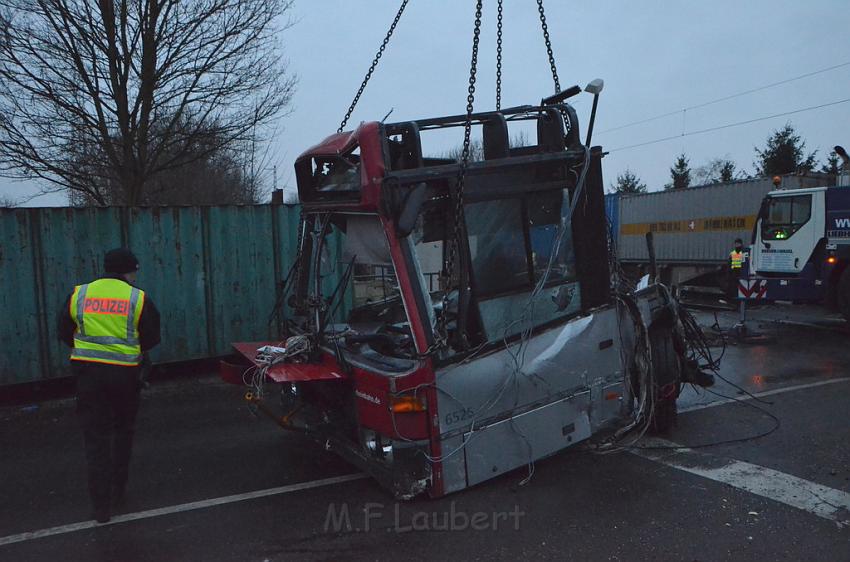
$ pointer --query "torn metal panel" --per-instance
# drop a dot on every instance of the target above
(521, 439)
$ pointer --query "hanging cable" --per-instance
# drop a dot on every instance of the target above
(499, 58)
(728, 125)
(374, 64)
(548, 41)
(725, 98)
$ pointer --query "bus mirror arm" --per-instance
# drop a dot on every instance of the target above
(410, 210)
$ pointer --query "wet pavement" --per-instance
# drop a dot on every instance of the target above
(196, 441)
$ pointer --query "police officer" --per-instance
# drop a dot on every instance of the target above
(736, 263)
(109, 324)
(736, 257)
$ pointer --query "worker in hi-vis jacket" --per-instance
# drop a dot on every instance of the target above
(736, 264)
(109, 325)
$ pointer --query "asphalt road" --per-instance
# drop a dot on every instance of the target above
(196, 441)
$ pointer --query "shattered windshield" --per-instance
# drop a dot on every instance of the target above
(497, 245)
(355, 288)
(522, 263)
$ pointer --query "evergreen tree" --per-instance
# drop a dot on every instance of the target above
(727, 171)
(628, 182)
(784, 154)
(831, 166)
(680, 173)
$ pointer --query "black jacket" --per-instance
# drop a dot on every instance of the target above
(148, 322)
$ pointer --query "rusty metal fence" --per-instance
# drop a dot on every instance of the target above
(213, 272)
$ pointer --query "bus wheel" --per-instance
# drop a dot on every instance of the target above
(667, 377)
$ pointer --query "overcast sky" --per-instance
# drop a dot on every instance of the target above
(655, 57)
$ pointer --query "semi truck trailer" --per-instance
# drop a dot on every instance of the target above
(694, 228)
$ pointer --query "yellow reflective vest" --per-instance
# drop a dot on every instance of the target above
(107, 313)
(736, 259)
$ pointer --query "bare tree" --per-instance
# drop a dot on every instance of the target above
(476, 148)
(211, 175)
(7, 202)
(117, 93)
(717, 170)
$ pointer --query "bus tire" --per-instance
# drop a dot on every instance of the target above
(666, 377)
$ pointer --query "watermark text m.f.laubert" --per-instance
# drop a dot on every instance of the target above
(341, 518)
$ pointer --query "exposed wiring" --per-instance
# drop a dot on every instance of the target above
(295, 348)
(699, 350)
(771, 415)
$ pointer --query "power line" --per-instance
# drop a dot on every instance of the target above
(728, 125)
(729, 97)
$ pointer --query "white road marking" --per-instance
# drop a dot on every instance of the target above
(838, 327)
(817, 499)
(822, 491)
(744, 397)
(22, 537)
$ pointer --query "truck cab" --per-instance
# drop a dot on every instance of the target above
(801, 246)
(791, 226)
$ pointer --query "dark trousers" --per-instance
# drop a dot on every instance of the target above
(107, 403)
(732, 277)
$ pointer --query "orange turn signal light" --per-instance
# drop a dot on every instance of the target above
(831, 260)
(407, 403)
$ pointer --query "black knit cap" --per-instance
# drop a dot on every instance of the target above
(120, 261)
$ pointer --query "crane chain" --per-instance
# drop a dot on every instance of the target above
(548, 45)
(374, 64)
(499, 58)
(455, 243)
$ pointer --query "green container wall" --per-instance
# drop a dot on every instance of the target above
(212, 272)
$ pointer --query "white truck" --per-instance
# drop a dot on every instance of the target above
(801, 246)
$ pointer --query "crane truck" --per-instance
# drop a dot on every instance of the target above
(801, 246)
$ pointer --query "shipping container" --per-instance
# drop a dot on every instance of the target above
(213, 272)
(612, 212)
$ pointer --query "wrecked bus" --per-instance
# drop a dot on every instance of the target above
(449, 323)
